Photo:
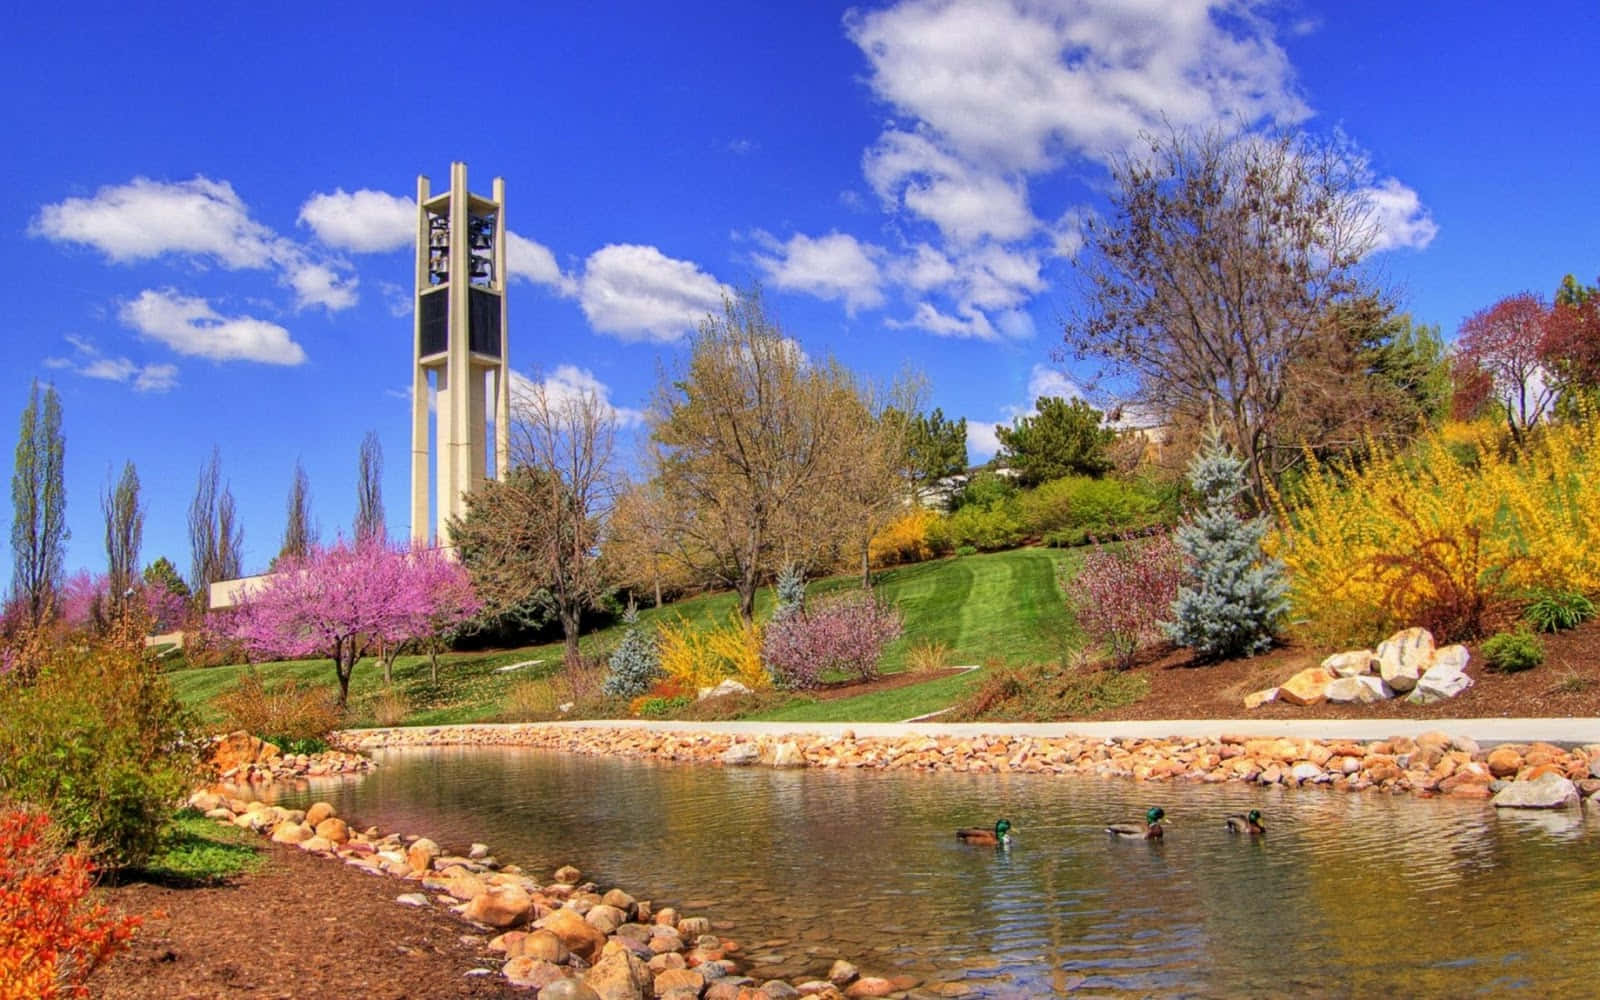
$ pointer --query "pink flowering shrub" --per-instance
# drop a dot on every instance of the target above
(845, 634)
(1123, 593)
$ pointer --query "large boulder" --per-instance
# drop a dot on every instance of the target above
(619, 975)
(499, 906)
(1351, 664)
(1256, 699)
(421, 853)
(1308, 687)
(1548, 791)
(1440, 682)
(239, 748)
(1404, 657)
(537, 973)
(568, 989)
(581, 938)
(741, 754)
(318, 812)
(1362, 690)
(788, 755)
(728, 686)
(335, 829)
(1451, 656)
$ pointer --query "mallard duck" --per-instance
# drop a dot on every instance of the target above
(1000, 836)
(1150, 829)
(1249, 822)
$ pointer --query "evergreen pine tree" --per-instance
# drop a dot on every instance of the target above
(635, 663)
(1235, 595)
(791, 588)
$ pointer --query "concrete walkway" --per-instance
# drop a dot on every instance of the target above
(1486, 732)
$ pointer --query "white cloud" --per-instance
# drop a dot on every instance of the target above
(190, 326)
(87, 361)
(1046, 381)
(982, 442)
(570, 384)
(1021, 86)
(639, 293)
(924, 269)
(994, 277)
(144, 219)
(1399, 216)
(317, 284)
(201, 219)
(966, 203)
(363, 221)
(835, 266)
(970, 325)
(532, 261)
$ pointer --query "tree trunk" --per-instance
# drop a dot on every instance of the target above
(569, 630)
(747, 598)
(343, 666)
(658, 590)
(866, 563)
(433, 665)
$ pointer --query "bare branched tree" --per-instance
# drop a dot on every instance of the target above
(369, 489)
(299, 532)
(541, 528)
(1218, 265)
(124, 516)
(747, 445)
(216, 538)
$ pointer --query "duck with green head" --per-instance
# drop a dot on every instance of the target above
(1249, 822)
(1150, 829)
(1000, 836)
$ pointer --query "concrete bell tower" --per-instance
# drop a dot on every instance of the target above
(460, 314)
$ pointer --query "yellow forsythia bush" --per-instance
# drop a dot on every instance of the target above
(904, 540)
(699, 658)
(1442, 536)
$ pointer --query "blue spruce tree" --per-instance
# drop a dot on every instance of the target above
(791, 588)
(1236, 594)
(635, 663)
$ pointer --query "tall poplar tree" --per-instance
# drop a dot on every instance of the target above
(124, 516)
(39, 505)
(369, 489)
(299, 534)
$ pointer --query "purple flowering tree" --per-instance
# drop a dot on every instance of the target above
(347, 599)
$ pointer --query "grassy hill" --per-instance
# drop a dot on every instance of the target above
(1002, 606)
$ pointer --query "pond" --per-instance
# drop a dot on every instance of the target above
(1348, 894)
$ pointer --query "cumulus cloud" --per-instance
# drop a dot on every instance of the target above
(86, 360)
(363, 221)
(835, 266)
(966, 203)
(970, 324)
(639, 293)
(1399, 217)
(531, 261)
(201, 219)
(192, 327)
(570, 384)
(1021, 86)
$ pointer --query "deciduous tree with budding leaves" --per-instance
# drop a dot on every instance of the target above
(344, 600)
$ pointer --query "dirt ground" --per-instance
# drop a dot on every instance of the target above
(301, 927)
(1566, 684)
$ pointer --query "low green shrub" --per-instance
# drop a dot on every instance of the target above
(1513, 652)
(1073, 510)
(1556, 611)
(987, 529)
(96, 738)
(967, 550)
(660, 708)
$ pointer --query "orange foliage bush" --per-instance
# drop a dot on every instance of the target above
(52, 939)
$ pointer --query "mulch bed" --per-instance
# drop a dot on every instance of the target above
(1566, 684)
(303, 926)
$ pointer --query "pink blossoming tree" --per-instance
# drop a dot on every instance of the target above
(347, 599)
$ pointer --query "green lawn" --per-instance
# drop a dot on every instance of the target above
(1002, 606)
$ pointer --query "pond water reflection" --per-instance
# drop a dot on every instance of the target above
(1348, 894)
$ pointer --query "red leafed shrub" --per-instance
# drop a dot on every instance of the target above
(1123, 593)
(843, 634)
(52, 937)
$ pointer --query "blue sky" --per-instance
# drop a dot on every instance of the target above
(207, 216)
